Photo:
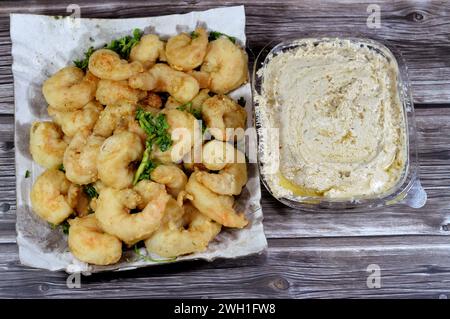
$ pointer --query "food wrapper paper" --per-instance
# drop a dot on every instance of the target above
(41, 45)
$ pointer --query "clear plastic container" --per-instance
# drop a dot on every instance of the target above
(407, 191)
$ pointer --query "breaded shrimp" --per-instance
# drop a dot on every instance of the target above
(107, 64)
(224, 118)
(189, 234)
(89, 243)
(113, 213)
(162, 78)
(47, 145)
(115, 159)
(113, 117)
(73, 122)
(217, 207)
(148, 50)
(232, 168)
(53, 197)
(227, 65)
(69, 89)
(80, 158)
(112, 92)
(171, 176)
(184, 52)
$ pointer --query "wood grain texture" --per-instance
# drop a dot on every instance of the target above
(296, 268)
(420, 29)
(309, 255)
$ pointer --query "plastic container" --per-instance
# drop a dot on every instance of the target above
(407, 191)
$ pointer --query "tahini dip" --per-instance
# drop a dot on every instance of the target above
(341, 123)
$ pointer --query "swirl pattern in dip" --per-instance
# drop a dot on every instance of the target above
(341, 123)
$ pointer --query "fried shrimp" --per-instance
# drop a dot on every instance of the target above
(47, 146)
(107, 64)
(113, 213)
(148, 50)
(53, 197)
(89, 243)
(224, 118)
(80, 158)
(73, 122)
(171, 176)
(217, 207)
(182, 128)
(112, 92)
(113, 117)
(227, 65)
(162, 78)
(232, 168)
(115, 159)
(189, 234)
(203, 78)
(184, 52)
(68, 89)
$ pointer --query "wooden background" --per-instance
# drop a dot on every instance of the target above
(309, 255)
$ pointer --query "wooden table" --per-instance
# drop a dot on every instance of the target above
(309, 255)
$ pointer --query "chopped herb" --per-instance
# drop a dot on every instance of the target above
(148, 258)
(61, 168)
(241, 101)
(214, 35)
(27, 173)
(83, 64)
(194, 35)
(65, 227)
(145, 167)
(156, 128)
(90, 191)
(123, 45)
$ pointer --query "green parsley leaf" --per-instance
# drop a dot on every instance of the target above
(27, 173)
(214, 35)
(156, 128)
(65, 227)
(194, 35)
(123, 46)
(61, 168)
(83, 64)
(90, 191)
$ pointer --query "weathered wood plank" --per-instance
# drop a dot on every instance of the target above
(419, 28)
(300, 268)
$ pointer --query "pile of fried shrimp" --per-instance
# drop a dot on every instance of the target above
(119, 151)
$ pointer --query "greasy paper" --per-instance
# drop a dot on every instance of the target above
(41, 45)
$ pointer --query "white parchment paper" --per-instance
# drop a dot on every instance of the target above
(41, 45)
